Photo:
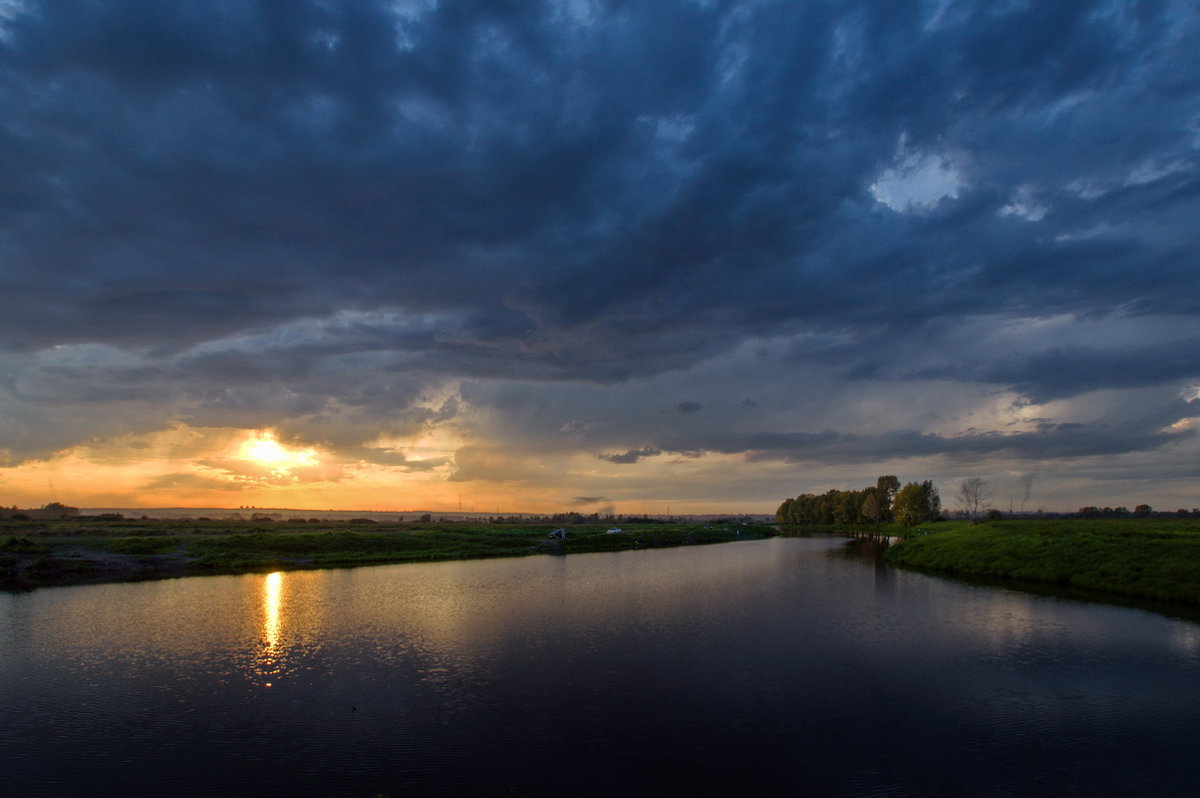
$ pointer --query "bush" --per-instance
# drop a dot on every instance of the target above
(18, 545)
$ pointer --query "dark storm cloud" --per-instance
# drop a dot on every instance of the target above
(1145, 428)
(254, 202)
(1047, 441)
(631, 456)
(1060, 372)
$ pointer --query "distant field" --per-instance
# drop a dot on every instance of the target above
(96, 549)
(1148, 558)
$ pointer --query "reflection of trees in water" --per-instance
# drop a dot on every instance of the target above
(866, 547)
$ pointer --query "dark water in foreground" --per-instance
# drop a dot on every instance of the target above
(782, 666)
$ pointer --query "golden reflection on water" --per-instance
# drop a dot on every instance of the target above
(267, 663)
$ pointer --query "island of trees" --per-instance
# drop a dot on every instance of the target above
(884, 502)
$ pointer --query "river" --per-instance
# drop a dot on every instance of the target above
(790, 665)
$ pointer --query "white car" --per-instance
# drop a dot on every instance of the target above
(616, 530)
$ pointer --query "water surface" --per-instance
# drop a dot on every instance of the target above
(786, 664)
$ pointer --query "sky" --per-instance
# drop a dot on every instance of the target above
(678, 256)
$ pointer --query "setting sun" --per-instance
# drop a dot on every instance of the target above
(262, 448)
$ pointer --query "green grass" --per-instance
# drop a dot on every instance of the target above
(22, 545)
(138, 545)
(44, 552)
(1148, 558)
(341, 547)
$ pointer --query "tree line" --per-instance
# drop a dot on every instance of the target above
(1140, 511)
(919, 502)
(884, 502)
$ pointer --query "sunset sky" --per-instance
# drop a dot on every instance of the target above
(597, 256)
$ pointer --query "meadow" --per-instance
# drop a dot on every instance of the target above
(86, 549)
(1156, 558)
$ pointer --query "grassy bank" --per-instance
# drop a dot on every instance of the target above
(1147, 558)
(83, 550)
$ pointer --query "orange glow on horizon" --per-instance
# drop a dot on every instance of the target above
(438, 471)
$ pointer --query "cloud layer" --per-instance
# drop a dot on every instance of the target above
(664, 242)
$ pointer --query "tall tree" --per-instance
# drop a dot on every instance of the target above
(887, 486)
(916, 503)
(973, 495)
(873, 508)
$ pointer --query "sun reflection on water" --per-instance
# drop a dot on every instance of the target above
(267, 664)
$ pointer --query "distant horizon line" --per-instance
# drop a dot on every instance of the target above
(418, 511)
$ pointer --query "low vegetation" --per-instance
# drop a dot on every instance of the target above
(1140, 554)
(90, 549)
(1157, 558)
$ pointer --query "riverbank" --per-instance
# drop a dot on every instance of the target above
(87, 550)
(1145, 558)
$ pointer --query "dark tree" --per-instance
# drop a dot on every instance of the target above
(917, 503)
(873, 508)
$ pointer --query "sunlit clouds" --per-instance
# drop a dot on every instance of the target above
(442, 256)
